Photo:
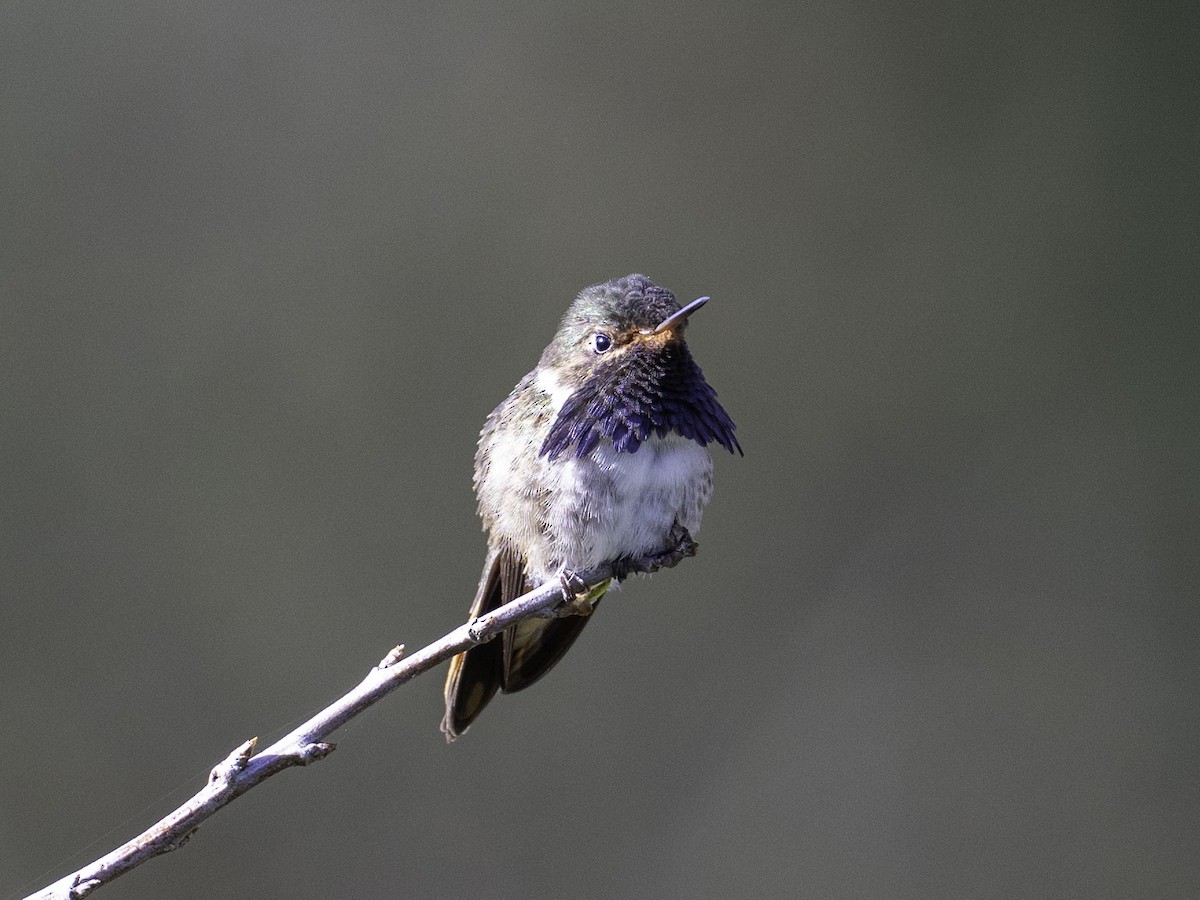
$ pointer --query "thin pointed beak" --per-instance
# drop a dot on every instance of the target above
(674, 320)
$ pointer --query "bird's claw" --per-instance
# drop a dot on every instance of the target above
(680, 546)
(577, 596)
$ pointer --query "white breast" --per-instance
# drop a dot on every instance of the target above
(611, 504)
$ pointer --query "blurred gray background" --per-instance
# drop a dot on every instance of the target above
(266, 269)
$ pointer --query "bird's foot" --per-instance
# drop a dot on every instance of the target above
(578, 598)
(680, 546)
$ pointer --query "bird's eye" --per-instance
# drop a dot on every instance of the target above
(601, 342)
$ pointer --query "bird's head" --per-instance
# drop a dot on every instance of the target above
(621, 355)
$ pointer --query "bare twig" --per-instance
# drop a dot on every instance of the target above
(243, 768)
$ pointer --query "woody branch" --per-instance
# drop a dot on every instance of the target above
(243, 769)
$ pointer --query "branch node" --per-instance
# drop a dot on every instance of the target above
(311, 753)
(234, 764)
(394, 656)
(473, 632)
(80, 889)
(183, 839)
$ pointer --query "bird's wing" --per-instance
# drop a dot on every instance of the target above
(533, 647)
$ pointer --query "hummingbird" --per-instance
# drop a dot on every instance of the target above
(598, 456)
